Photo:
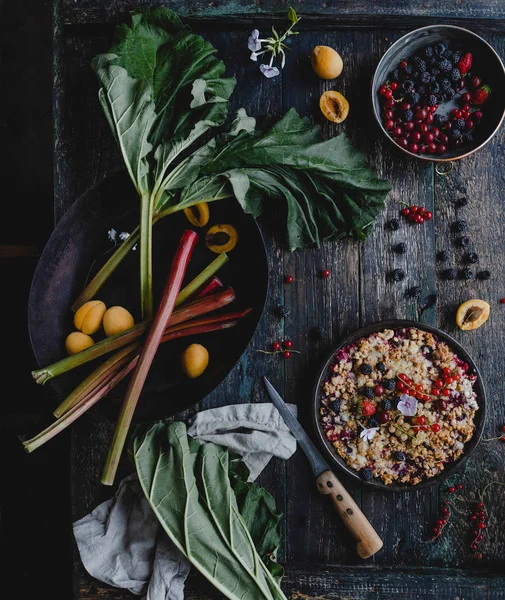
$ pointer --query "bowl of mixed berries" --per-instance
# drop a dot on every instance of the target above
(438, 93)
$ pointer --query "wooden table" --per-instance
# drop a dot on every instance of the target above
(318, 552)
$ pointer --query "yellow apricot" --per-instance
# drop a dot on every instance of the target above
(194, 360)
(77, 341)
(88, 318)
(334, 106)
(326, 62)
(116, 320)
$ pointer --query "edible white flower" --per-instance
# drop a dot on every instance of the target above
(407, 405)
(112, 234)
(269, 71)
(254, 56)
(368, 433)
(124, 235)
(254, 43)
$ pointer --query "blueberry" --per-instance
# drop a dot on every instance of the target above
(428, 51)
(389, 384)
(401, 248)
(455, 133)
(408, 70)
(397, 275)
(366, 474)
(440, 48)
(435, 72)
(445, 84)
(450, 274)
(467, 274)
(484, 275)
(459, 226)
(400, 456)
(471, 258)
(447, 54)
(456, 58)
(443, 255)
(464, 241)
(282, 311)
(365, 369)
(468, 138)
(394, 224)
(435, 88)
(421, 90)
(417, 75)
(380, 366)
(463, 201)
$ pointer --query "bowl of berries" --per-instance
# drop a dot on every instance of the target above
(438, 93)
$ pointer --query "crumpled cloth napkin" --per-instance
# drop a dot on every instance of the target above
(122, 543)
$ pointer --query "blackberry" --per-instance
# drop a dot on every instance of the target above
(468, 138)
(467, 274)
(443, 255)
(450, 93)
(440, 119)
(389, 384)
(394, 224)
(445, 65)
(450, 274)
(428, 51)
(464, 241)
(455, 133)
(471, 258)
(460, 124)
(484, 275)
(335, 406)
(455, 75)
(366, 474)
(386, 405)
(425, 77)
(408, 115)
(459, 226)
(396, 75)
(420, 64)
(408, 85)
(400, 456)
(414, 98)
(397, 275)
(373, 422)
(320, 333)
(414, 292)
(380, 366)
(365, 368)
(448, 54)
(368, 392)
(445, 84)
(435, 88)
(456, 58)
(432, 100)
(408, 70)
(463, 201)
(282, 311)
(401, 248)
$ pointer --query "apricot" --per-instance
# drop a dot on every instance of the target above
(334, 106)
(77, 341)
(88, 318)
(198, 215)
(116, 320)
(221, 238)
(194, 360)
(326, 62)
(472, 314)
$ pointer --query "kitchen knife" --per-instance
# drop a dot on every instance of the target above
(327, 483)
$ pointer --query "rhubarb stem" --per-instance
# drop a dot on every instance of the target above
(199, 280)
(167, 305)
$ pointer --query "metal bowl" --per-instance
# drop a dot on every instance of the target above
(335, 460)
(488, 66)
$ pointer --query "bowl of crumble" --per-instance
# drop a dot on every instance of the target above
(399, 405)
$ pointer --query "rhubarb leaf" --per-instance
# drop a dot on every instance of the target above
(188, 487)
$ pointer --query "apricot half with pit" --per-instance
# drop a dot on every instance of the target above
(198, 215)
(334, 106)
(472, 314)
(221, 238)
(326, 62)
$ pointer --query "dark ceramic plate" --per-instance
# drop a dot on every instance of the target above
(480, 416)
(78, 245)
(487, 64)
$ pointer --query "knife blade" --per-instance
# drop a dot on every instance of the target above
(317, 462)
(368, 541)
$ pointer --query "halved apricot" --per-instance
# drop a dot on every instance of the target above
(334, 106)
(198, 215)
(472, 314)
(221, 238)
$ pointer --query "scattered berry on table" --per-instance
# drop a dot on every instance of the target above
(287, 354)
(467, 274)
(484, 275)
(320, 332)
(502, 301)
(287, 344)
(325, 273)
(460, 226)
(276, 346)
(464, 241)
(283, 311)
(365, 368)
(397, 275)
(367, 474)
(394, 224)
(450, 274)
(401, 248)
(289, 279)
(414, 292)
(443, 255)
(471, 258)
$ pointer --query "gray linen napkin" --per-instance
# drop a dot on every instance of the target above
(122, 543)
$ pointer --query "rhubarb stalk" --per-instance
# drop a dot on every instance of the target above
(167, 305)
(214, 284)
(200, 280)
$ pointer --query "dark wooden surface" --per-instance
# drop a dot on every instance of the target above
(317, 550)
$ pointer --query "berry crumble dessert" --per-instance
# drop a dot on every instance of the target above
(398, 405)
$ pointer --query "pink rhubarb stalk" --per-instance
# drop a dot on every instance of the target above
(214, 284)
(167, 304)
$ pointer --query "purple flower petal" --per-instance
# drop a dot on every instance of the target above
(269, 71)
(407, 405)
(252, 43)
(367, 434)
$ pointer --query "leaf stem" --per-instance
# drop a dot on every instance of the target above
(146, 274)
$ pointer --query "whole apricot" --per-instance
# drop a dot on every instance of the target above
(89, 316)
(194, 360)
(116, 320)
(326, 62)
(78, 341)
(334, 106)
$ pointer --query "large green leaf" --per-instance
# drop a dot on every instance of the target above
(188, 486)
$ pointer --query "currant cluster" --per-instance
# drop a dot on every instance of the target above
(445, 512)
(478, 521)
(416, 214)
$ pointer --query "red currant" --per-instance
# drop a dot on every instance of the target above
(413, 209)
(388, 124)
(480, 505)
(409, 125)
(289, 279)
(455, 113)
(428, 137)
(288, 344)
(459, 486)
(423, 127)
(393, 85)
(429, 119)
(479, 556)
(382, 90)
(470, 124)
(388, 94)
(397, 132)
(405, 212)
(466, 97)
(452, 489)
(481, 525)
(414, 148)
(439, 383)
(435, 131)
(435, 392)
(421, 114)
(427, 215)
(478, 115)
(435, 427)
(276, 346)
(443, 405)
(432, 148)
(379, 390)
(415, 137)
(326, 273)
(446, 392)
(287, 354)
(403, 64)
(400, 386)
(441, 149)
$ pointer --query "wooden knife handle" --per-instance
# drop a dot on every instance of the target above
(368, 541)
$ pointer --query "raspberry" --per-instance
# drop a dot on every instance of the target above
(368, 408)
